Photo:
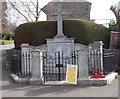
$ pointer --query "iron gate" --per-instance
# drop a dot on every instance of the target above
(54, 67)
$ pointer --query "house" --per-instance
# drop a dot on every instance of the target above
(77, 9)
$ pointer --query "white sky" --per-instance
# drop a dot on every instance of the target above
(100, 9)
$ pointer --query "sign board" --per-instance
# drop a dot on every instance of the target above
(71, 74)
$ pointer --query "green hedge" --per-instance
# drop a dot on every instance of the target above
(35, 33)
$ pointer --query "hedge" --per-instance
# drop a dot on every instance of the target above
(36, 33)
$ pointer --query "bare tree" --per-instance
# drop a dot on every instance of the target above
(3, 18)
(7, 26)
(27, 10)
(115, 9)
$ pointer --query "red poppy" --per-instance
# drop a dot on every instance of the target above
(98, 75)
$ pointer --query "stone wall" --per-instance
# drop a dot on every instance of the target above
(114, 38)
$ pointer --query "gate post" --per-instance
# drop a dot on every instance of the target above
(36, 67)
(83, 63)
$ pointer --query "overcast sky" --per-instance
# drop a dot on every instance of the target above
(100, 10)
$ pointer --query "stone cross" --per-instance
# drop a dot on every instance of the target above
(59, 20)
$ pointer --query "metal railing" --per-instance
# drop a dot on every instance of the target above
(54, 68)
(94, 62)
(110, 60)
(16, 63)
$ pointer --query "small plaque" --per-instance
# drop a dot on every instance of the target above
(59, 65)
(71, 74)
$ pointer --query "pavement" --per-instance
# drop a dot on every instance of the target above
(11, 89)
(6, 47)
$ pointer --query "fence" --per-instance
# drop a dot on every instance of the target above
(94, 62)
(26, 64)
(16, 61)
(95, 58)
(54, 68)
(110, 63)
(16, 67)
(110, 60)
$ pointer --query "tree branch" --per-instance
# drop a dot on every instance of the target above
(113, 9)
(30, 10)
(18, 10)
(28, 7)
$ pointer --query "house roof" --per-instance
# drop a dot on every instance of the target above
(50, 6)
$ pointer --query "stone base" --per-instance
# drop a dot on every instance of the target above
(20, 80)
(53, 83)
(98, 81)
(88, 81)
(36, 81)
(81, 81)
(60, 37)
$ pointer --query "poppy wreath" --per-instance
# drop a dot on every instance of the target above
(97, 75)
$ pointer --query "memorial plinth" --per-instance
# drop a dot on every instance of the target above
(60, 43)
(65, 45)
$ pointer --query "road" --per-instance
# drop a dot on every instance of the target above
(18, 90)
(11, 89)
(6, 47)
(3, 49)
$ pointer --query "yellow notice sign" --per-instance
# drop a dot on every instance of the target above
(71, 74)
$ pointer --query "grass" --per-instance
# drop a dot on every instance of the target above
(8, 42)
(119, 76)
